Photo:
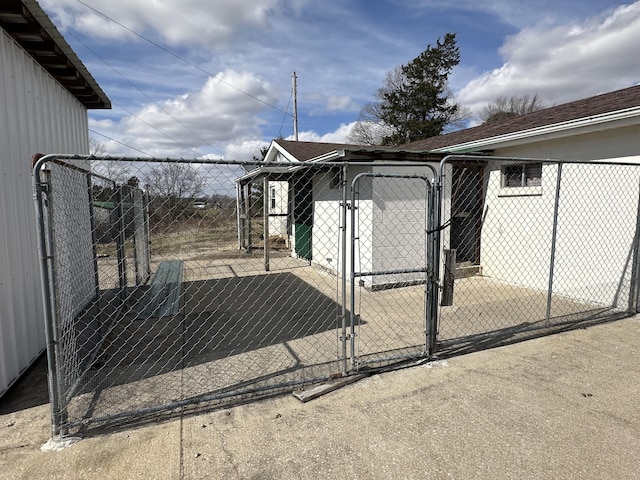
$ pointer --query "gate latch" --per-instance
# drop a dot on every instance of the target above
(348, 206)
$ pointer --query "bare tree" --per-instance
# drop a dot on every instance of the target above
(118, 171)
(174, 180)
(96, 147)
(369, 130)
(172, 188)
(506, 107)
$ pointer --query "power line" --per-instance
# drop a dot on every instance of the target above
(121, 143)
(285, 115)
(143, 93)
(179, 57)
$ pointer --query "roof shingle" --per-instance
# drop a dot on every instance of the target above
(584, 108)
(304, 151)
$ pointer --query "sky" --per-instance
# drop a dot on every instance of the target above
(213, 78)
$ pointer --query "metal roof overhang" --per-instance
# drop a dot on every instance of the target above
(32, 29)
(334, 158)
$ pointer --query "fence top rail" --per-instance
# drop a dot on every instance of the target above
(56, 158)
(391, 159)
(268, 167)
(393, 175)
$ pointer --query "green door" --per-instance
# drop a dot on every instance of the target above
(303, 216)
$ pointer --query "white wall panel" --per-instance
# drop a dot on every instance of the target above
(36, 115)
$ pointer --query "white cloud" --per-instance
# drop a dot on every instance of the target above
(189, 124)
(201, 22)
(510, 12)
(244, 151)
(338, 136)
(564, 62)
(342, 103)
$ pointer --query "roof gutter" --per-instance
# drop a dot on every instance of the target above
(555, 130)
(328, 157)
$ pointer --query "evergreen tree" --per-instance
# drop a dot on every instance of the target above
(415, 102)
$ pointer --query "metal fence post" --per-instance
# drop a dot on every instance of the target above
(343, 259)
(47, 277)
(634, 288)
(352, 269)
(434, 276)
(265, 218)
(93, 233)
(554, 235)
(120, 243)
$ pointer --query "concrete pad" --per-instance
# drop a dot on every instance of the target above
(145, 453)
(563, 407)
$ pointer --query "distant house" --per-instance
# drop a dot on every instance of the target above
(480, 197)
(306, 203)
(45, 94)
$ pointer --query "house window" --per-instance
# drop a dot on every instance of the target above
(522, 175)
(273, 198)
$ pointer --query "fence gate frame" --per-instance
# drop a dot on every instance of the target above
(430, 269)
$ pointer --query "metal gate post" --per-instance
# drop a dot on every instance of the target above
(433, 237)
(47, 279)
(554, 235)
(353, 270)
(343, 227)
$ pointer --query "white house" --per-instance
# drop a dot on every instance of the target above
(308, 174)
(509, 232)
(44, 96)
(497, 215)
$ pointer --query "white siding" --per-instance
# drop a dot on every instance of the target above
(517, 232)
(399, 223)
(327, 213)
(596, 224)
(278, 197)
(390, 214)
(36, 115)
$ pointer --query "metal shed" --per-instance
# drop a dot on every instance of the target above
(45, 92)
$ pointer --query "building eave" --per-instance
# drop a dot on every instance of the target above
(31, 28)
(605, 121)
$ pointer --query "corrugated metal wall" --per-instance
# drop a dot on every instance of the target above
(36, 115)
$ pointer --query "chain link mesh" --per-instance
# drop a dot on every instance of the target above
(390, 266)
(538, 245)
(181, 283)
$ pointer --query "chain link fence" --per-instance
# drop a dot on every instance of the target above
(535, 247)
(174, 284)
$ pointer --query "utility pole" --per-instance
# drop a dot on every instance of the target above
(295, 105)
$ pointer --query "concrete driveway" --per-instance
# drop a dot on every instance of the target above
(565, 406)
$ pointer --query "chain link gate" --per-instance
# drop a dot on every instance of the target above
(392, 248)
